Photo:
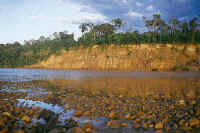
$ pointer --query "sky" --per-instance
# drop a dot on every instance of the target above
(29, 19)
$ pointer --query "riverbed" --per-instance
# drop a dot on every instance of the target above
(35, 100)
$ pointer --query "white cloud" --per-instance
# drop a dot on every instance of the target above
(139, 4)
(182, 0)
(124, 1)
(84, 14)
(35, 17)
(135, 14)
(149, 8)
(78, 13)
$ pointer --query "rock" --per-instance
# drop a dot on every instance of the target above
(181, 102)
(193, 102)
(194, 122)
(54, 131)
(19, 131)
(124, 124)
(88, 130)
(86, 113)
(112, 115)
(26, 119)
(191, 48)
(114, 124)
(8, 115)
(78, 114)
(128, 116)
(1, 123)
(151, 126)
(159, 125)
(136, 125)
(159, 131)
(111, 107)
(87, 125)
(198, 111)
(182, 122)
(145, 125)
(5, 130)
(95, 46)
(75, 130)
(121, 96)
(169, 45)
(137, 120)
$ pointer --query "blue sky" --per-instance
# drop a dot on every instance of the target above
(29, 19)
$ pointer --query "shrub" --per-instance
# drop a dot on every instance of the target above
(186, 68)
(155, 69)
(102, 49)
(175, 68)
(198, 51)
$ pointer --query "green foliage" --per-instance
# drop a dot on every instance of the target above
(175, 68)
(17, 55)
(198, 51)
(159, 31)
(102, 49)
(186, 68)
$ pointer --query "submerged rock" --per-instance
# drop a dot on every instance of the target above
(78, 113)
(114, 124)
(26, 119)
(159, 125)
(194, 122)
(75, 130)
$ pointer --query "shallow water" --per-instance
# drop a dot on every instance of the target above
(38, 83)
(21, 75)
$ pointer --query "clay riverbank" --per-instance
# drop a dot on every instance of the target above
(137, 58)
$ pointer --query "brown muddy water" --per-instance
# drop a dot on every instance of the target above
(34, 100)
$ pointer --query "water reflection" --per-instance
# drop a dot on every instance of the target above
(21, 75)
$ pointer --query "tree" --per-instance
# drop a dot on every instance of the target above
(84, 28)
(193, 26)
(118, 23)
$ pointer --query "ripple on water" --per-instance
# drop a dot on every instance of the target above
(63, 114)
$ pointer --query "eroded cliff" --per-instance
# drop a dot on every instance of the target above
(138, 58)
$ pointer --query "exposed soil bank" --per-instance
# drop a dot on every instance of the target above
(138, 58)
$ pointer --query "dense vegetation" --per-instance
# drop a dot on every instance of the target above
(159, 31)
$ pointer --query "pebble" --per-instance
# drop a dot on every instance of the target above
(112, 115)
(159, 125)
(78, 114)
(5, 130)
(75, 130)
(26, 119)
(114, 124)
(194, 122)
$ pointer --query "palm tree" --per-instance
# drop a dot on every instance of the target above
(193, 26)
(83, 28)
(118, 23)
(174, 25)
(91, 26)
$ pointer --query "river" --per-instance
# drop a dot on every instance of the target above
(50, 90)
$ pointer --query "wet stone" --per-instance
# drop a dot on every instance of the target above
(159, 125)
(75, 130)
(114, 124)
(78, 113)
(194, 122)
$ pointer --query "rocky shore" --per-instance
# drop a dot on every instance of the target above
(22, 112)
